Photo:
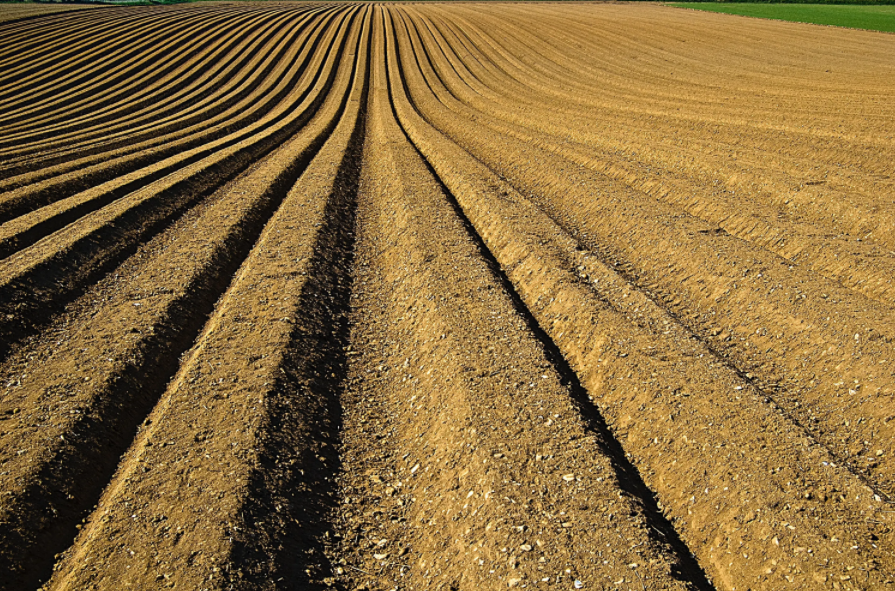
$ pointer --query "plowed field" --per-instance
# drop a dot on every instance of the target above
(445, 296)
(10, 12)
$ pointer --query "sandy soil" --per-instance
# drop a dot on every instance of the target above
(560, 296)
(18, 11)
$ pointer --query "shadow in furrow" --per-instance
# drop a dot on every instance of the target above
(72, 482)
(110, 52)
(27, 304)
(687, 568)
(293, 492)
(11, 208)
(41, 160)
(768, 393)
(36, 131)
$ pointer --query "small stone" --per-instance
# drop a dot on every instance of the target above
(578, 584)
(514, 582)
(382, 556)
(569, 477)
(525, 547)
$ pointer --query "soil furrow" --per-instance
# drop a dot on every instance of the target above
(772, 481)
(231, 108)
(48, 37)
(192, 73)
(713, 283)
(456, 479)
(43, 186)
(101, 37)
(108, 396)
(44, 87)
(41, 30)
(445, 296)
(224, 81)
(854, 264)
(22, 14)
(844, 200)
(228, 421)
(58, 268)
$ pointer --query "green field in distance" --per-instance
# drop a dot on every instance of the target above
(874, 18)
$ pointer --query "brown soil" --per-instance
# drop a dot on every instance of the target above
(566, 296)
(13, 12)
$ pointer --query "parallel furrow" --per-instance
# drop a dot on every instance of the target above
(246, 461)
(16, 18)
(59, 267)
(121, 48)
(713, 283)
(462, 397)
(219, 91)
(160, 86)
(273, 76)
(852, 263)
(843, 200)
(60, 469)
(651, 381)
(444, 296)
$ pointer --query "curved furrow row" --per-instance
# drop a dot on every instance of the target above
(820, 203)
(852, 264)
(648, 149)
(227, 424)
(710, 106)
(39, 39)
(125, 169)
(75, 66)
(191, 93)
(17, 18)
(808, 141)
(319, 295)
(60, 469)
(714, 286)
(156, 85)
(756, 477)
(225, 27)
(104, 80)
(471, 409)
(53, 270)
(61, 41)
(232, 106)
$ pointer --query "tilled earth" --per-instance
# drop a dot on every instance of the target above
(445, 296)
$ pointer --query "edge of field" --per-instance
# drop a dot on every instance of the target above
(16, 11)
(867, 17)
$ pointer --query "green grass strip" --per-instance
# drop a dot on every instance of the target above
(874, 18)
